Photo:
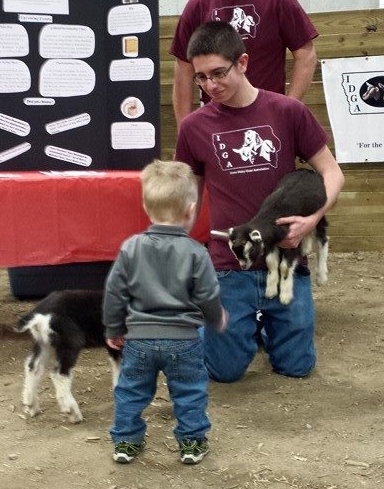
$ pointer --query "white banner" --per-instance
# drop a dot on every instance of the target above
(354, 94)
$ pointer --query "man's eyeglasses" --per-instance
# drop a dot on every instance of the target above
(201, 79)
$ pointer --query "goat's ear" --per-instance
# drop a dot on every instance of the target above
(255, 236)
(220, 234)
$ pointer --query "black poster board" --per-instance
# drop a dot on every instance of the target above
(79, 84)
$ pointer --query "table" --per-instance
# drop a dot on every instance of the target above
(53, 218)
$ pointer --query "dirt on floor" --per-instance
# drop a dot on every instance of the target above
(322, 432)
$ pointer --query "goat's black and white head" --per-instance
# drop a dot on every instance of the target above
(246, 244)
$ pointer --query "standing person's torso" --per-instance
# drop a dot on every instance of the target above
(162, 285)
(268, 28)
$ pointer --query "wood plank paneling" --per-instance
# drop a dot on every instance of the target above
(348, 21)
(356, 223)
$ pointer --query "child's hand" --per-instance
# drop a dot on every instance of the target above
(116, 343)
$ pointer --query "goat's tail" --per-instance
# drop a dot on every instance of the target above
(37, 324)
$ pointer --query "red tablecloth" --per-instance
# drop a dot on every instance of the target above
(50, 218)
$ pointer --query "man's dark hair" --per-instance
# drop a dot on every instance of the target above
(216, 38)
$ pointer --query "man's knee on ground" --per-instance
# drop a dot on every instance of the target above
(225, 375)
(295, 370)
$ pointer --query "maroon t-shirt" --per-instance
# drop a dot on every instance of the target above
(242, 153)
(268, 28)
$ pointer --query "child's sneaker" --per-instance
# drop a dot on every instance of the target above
(193, 451)
(125, 452)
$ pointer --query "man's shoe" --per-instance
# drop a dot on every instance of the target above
(193, 451)
(125, 452)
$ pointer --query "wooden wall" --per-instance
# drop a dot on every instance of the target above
(357, 220)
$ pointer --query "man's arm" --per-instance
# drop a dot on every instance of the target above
(304, 65)
(200, 189)
(182, 94)
(324, 163)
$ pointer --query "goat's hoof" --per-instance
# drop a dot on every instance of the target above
(321, 280)
(31, 410)
(270, 294)
(285, 299)
(74, 415)
(75, 418)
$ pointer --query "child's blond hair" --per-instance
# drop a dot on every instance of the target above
(168, 188)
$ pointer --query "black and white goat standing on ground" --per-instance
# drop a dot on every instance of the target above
(62, 324)
(299, 193)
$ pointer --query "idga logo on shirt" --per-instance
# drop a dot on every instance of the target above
(247, 148)
(243, 18)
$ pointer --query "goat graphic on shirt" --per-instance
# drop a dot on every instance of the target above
(243, 18)
(249, 148)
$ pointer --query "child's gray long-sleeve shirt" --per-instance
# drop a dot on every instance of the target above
(162, 285)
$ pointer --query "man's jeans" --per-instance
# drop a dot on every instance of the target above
(288, 330)
(187, 379)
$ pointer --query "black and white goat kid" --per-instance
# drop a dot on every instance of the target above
(299, 193)
(62, 324)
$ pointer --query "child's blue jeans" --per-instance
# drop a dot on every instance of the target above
(187, 379)
(288, 330)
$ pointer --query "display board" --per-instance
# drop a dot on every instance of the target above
(79, 84)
